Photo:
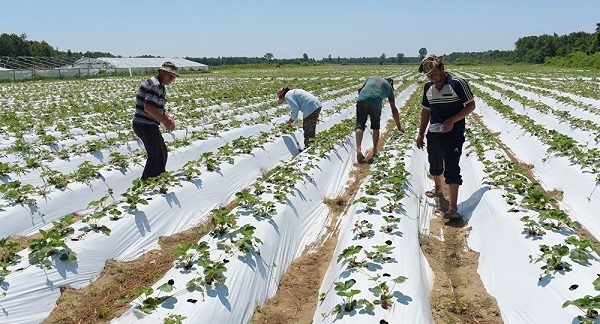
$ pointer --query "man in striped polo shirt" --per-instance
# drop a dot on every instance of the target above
(149, 114)
(447, 100)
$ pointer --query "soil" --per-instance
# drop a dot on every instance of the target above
(458, 295)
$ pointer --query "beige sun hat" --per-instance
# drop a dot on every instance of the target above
(429, 63)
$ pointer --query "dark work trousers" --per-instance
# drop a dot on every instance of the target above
(365, 109)
(443, 152)
(309, 125)
(155, 147)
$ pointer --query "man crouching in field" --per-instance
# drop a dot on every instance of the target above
(306, 103)
(149, 114)
(447, 100)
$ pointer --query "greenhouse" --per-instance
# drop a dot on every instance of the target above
(135, 63)
(22, 68)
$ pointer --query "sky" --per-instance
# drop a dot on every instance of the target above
(287, 29)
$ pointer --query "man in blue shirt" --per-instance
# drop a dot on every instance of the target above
(306, 103)
(149, 114)
(447, 100)
(369, 104)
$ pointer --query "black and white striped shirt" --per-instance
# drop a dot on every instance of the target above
(152, 92)
(448, 101)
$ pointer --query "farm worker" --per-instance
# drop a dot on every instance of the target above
(305, 102)
(149, 114)
(369, 103)
(447, 100)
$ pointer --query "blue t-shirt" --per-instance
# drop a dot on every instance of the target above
(375, 90)
(301, 101)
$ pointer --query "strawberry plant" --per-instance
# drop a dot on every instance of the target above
(532, 227)
(191, 169)
(8, 256)
(363, 229)
(174, 319)
(52, 243)
(189, 253)
(210, 162)
(368, 203)
(246, 199)
(349, 256)
(349, 304)
(553, 256)
(145, 302)
(381, 253)
(556, 219)
(118, 160)
(86, 172)
(16, 193)
(391, 224)
(372, 188)
(223, 221)
(590, 305)
(134, 199)
(55, 178)
(581, 251)
(265, 209)
(247, 242)
(392, 205)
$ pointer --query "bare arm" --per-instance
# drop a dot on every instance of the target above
(449, 123)
(396, 116)
(425, 115)
(361, 87)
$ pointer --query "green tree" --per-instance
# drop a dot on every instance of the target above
(596, 42)
(305, 57)
(382, 59)
(400, 58)
(269, 56)
(422, 53)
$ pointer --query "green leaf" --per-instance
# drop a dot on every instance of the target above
(399, 279)
(165, 288)
(341, 286)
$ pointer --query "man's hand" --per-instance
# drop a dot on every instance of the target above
(169, 124)
(419, 141)
(448, 125)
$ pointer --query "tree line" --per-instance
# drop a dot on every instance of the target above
(554, 49)
(19, 45)
(575, 49)
(269, 58)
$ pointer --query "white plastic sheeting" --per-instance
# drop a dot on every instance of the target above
(504, 265)
(136, 234)
(581, 197)
(297, 224)
(411, 298)
(24, 220)
(549, 121)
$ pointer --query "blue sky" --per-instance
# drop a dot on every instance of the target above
(290, 28)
